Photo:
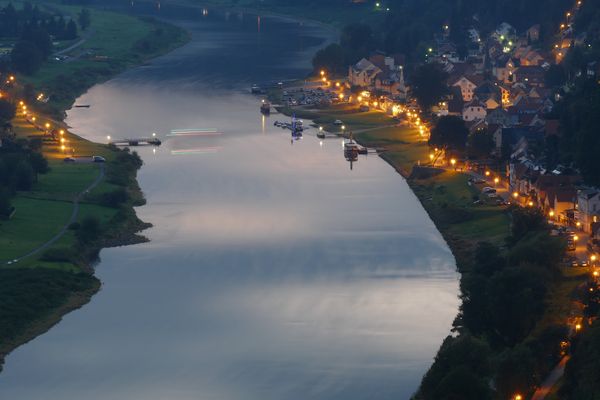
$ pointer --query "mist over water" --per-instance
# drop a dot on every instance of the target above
(273, 271)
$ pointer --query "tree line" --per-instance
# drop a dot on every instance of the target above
(503, 298)
(35, 31)
(21, 160)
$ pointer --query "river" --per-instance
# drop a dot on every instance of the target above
(273, 271)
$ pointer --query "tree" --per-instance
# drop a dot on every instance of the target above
(26, 57)
(85, 19)
(38, 163)
(450, 132)
(429, 85)
(89, 229)
(7, 111)
(524, 221)
(516, 371)
(24, 176)
(480, 144)
(331, 58)
(515, 302)
(358, 41)
(462, 359)
(71, 30)
(5, 206)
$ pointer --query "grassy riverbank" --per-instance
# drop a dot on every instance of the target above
(38, 290)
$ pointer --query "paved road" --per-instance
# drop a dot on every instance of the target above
(551, 380)
(72, 219)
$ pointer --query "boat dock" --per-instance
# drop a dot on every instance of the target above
(151, 141)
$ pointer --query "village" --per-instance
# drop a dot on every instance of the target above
(499, 89)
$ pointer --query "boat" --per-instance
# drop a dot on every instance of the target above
(265, 107)
(297, 127)
(255, 89)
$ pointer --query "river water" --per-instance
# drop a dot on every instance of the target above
(273, 271)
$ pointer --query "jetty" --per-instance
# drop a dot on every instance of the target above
(150, 141)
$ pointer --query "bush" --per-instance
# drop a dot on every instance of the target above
(89, 230)
(58, 254)
(115, 198)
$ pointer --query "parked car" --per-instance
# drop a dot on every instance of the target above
(488, 189)
(584, 263)
(69, 160)
(98, 159)
(575, 263)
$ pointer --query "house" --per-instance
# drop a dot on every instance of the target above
(522, 173)
(504, 31)
(455, 102)
(501, 117)
(560, 200)
(504, 69)
(489, 94)
(517, 139)
(467, 85)
(547, 185)
(533, 34)
(588, 204)
(474, 110)
(530, 75)
(363, 73)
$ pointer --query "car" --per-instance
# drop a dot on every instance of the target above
(338, 122)
(584, 263)
(98, 159)
(575, 263)
(69, 160)
(488, 189)
(476, 180)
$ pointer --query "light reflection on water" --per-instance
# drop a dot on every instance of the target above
(273, 271)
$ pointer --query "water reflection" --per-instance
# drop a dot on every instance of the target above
(273, 272)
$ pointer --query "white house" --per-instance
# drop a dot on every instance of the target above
(474, 110)
(588, 204)
(363, 73)
(467, 85)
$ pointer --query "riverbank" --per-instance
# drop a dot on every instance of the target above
(60, 217)
(449, 199)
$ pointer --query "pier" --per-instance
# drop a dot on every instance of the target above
(151, 141)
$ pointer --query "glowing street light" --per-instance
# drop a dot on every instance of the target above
(322, 73)
(487, 173)
(62, 132)
(575, 238)
(108, 137)
(496, 180)
(515, 194)
(551, 213)
(530, 204)
(453, 162)
(518, 397)
(577, 327)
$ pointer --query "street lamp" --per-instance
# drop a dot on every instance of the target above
(453, 162)
(496, 180)
(518, 397)
(487, 173)
(551, 213)
(577, 327)
(515, 194)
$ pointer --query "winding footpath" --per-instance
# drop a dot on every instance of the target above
(71, 220)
